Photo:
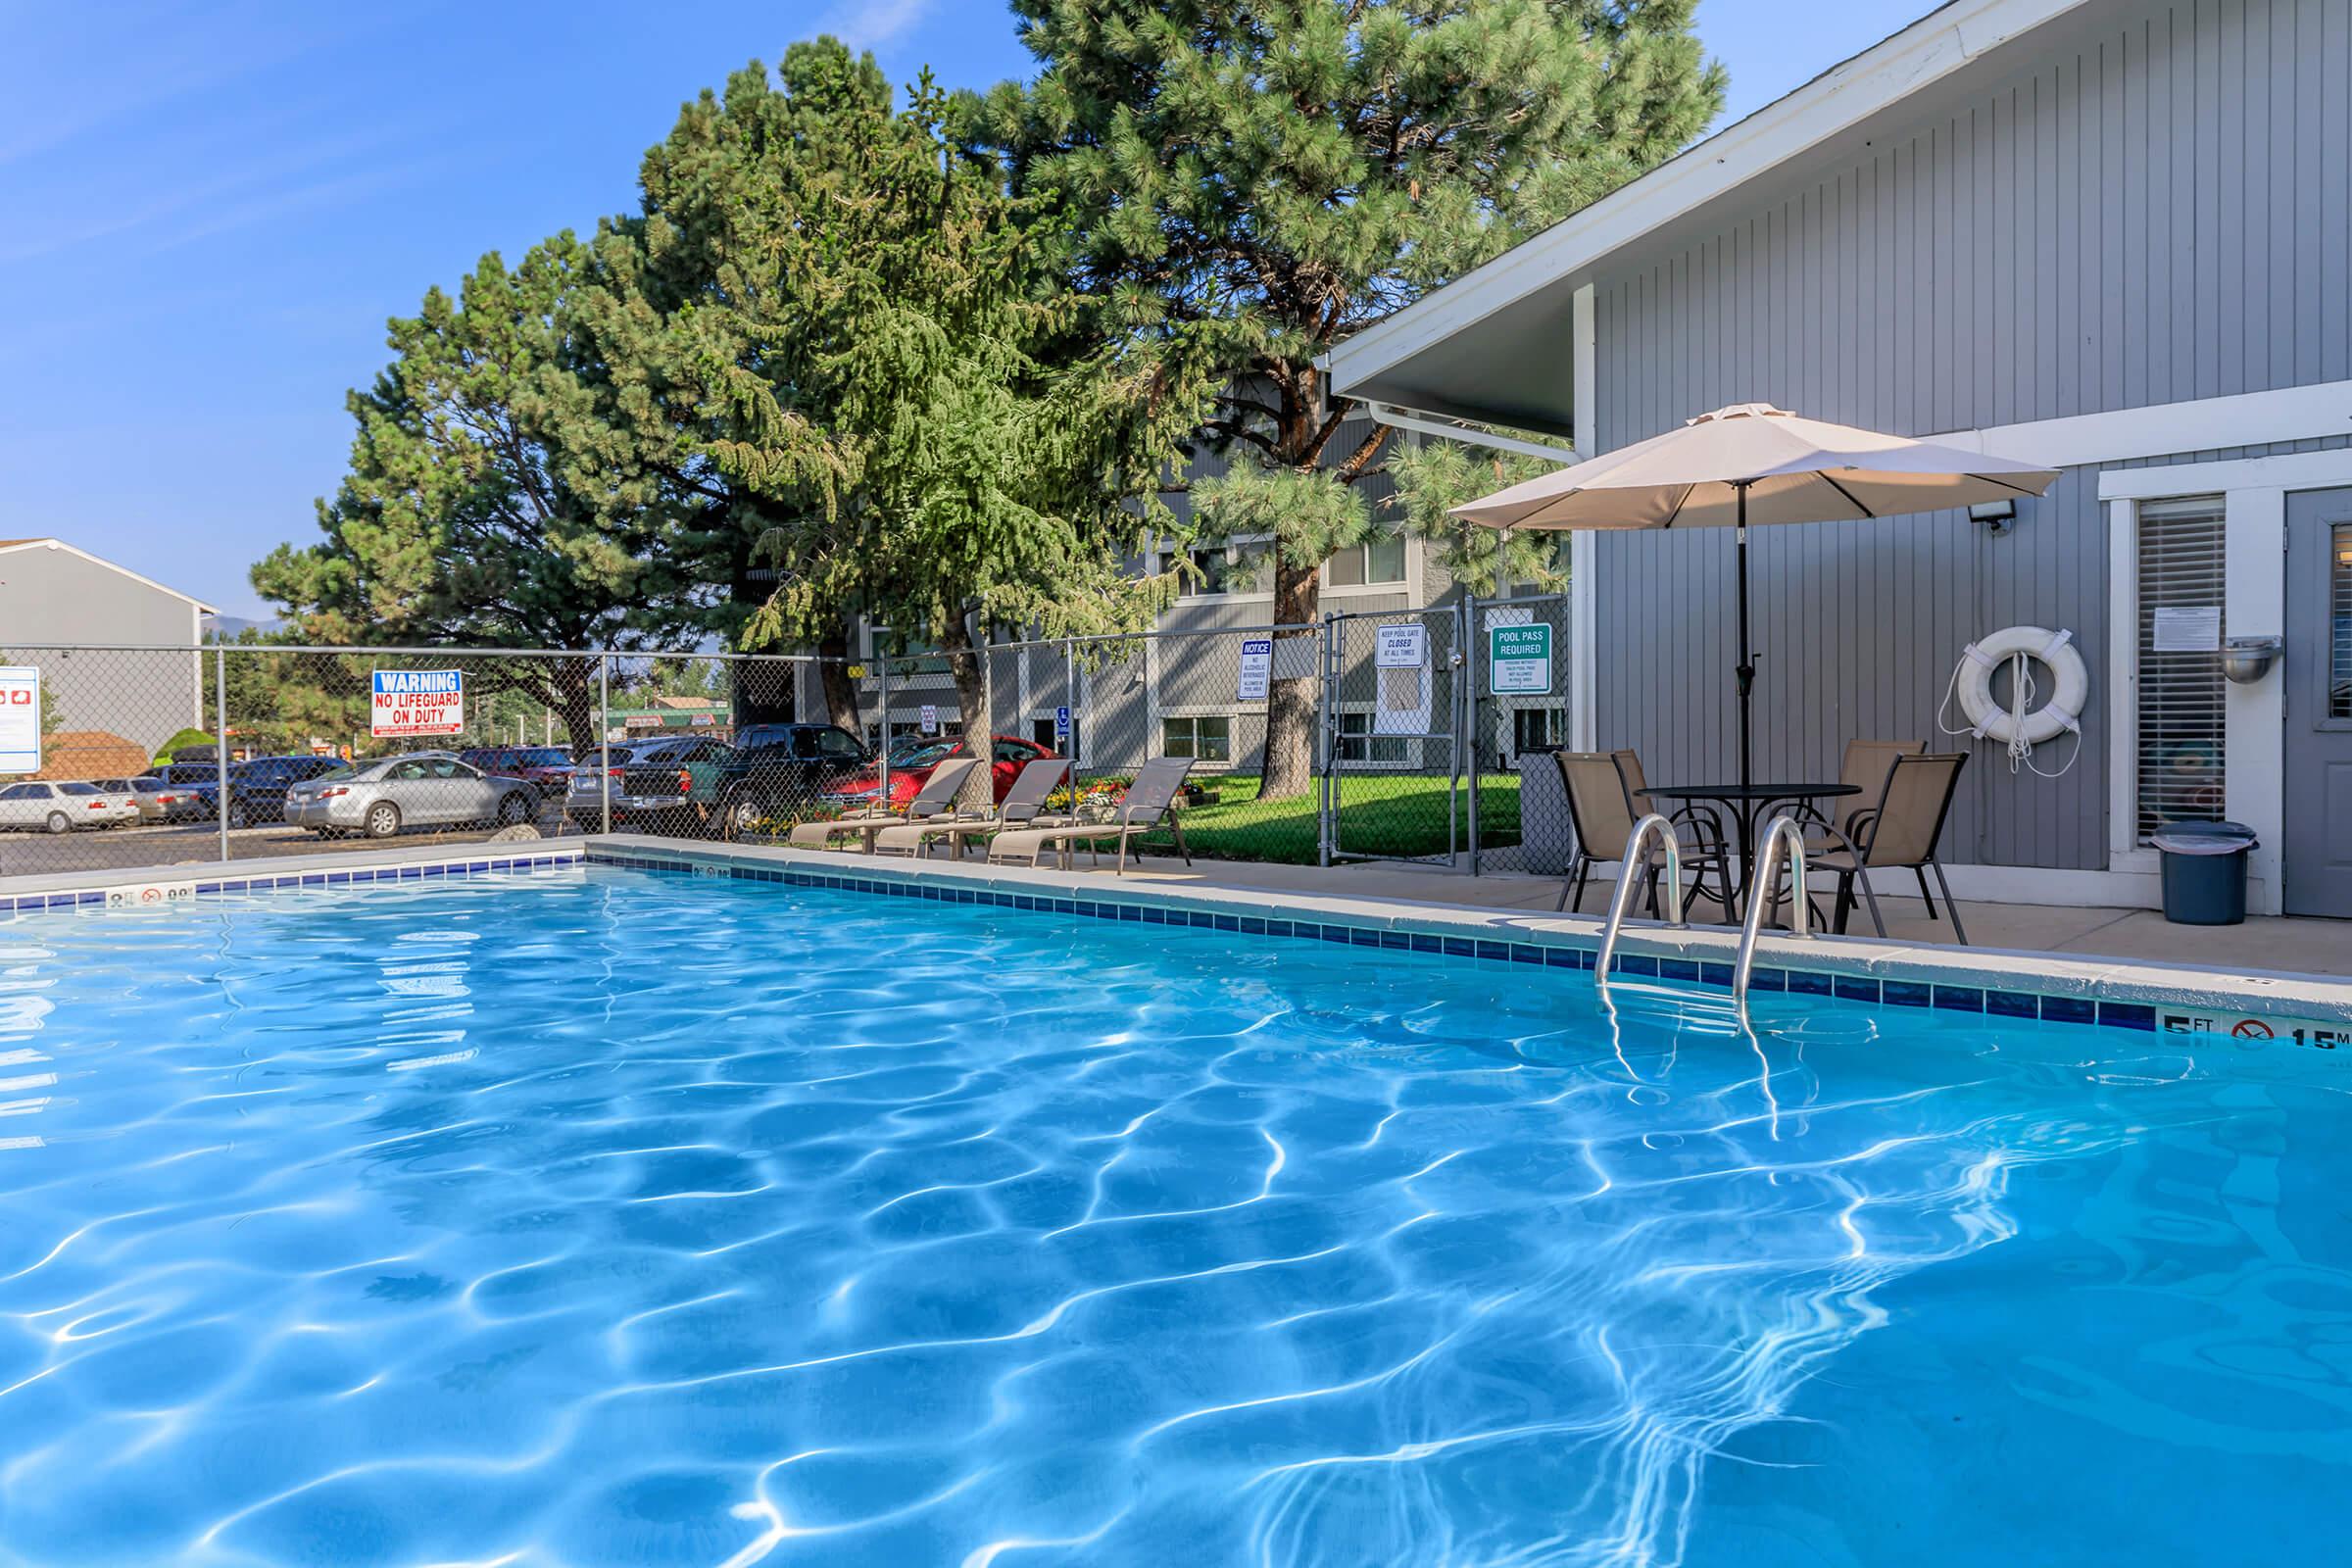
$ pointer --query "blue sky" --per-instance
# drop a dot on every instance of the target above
(214, 208)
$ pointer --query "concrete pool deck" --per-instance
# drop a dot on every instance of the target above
(2276, 965)
(2265, 943)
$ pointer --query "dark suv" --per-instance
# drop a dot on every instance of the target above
(778, 771)
(257, 790)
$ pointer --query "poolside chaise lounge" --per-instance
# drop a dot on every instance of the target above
(1150, 799)
(936, 798)
(1023, 806)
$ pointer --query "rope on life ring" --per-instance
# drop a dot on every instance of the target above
(2022, 726)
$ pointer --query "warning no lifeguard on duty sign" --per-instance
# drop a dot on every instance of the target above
(417, 702)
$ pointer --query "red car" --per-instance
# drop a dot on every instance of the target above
(547, 767)
(912, 764)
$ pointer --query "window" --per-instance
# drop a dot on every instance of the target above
(2339, 623)
(1357, 743)
(2182, 694)
(1220, 571)
(1532, 728)
(1378, 559)
(1209, 740)
(23, 792)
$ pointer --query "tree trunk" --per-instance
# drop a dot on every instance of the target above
(841, 692)
(968, 664)
(572, 695)
(1290, 763)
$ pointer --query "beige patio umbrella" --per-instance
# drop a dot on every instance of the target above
(1752, 463)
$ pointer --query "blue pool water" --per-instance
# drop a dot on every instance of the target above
(611, 1218)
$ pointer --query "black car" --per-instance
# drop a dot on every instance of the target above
(257, 790)
(778, 772)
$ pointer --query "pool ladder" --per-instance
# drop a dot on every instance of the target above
(1637, 851)
(1762, 885)
(1781, 835)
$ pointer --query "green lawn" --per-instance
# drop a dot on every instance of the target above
(1379, 815)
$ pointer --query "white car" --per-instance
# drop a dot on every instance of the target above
(48, 807)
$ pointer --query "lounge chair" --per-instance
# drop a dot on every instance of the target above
(1023, 806)
(1902, 832)
(936, 798)
(1602, 807)
(1150, 799)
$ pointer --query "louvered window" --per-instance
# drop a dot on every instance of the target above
(2340, 635)
(2182, 693)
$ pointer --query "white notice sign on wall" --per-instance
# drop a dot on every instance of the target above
(2189, 629)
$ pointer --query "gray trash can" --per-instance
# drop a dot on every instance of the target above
(2205, 871)
(1547, 841)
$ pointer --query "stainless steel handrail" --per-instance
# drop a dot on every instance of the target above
(1637, 848)
(1780, 830)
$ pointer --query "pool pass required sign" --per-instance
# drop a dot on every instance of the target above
(1520, 658)
(407, 703)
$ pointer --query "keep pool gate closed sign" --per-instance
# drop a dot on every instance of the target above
(20, 718)
(1519, 658)
(410, 702)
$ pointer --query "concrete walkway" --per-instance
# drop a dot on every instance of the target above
(2289, 945)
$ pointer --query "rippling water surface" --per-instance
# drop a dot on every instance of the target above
(607, 1218)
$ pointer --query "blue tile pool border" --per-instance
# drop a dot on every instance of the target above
(1541, 950)
(1549, 950)
(216, 884)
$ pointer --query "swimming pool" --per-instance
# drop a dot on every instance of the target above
(602, 1216)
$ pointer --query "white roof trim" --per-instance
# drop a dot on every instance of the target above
(97, 560)
(1931, 48)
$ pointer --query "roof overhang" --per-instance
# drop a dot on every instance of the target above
(1492, 346)
(10, 547)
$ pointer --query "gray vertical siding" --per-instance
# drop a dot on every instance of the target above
(2158, 212)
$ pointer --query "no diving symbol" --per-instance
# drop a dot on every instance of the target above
(151, 895)
(2251, 1029)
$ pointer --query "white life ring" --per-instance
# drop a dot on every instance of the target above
(2054, 717)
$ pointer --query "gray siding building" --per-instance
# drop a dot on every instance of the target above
(2112, 236)
(57, 600)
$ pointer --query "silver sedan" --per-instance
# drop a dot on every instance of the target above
(423, 788)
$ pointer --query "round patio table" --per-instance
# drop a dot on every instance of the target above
(1748, 805)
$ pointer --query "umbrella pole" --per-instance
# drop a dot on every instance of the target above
(1747, 663)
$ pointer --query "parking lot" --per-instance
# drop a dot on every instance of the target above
(194, 843)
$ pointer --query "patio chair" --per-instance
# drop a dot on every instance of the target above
(1902, 832)
(1150, 799)
(937, 797)
(1023, 806)
(1864, 767)
(1602, 809)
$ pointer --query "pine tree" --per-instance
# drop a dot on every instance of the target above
(1256, 181)
(481, 508)
(830, 322)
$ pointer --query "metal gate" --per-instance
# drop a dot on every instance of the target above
(1518, 716)
(1394, 708)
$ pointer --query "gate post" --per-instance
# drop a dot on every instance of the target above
(603, 739)
(220, 751)
(1327, 749)
(1474, 728)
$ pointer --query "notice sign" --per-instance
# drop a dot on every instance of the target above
(930, 719)
(2188, 629)
(1258, 663)
(1404, 646)
(1519, 661)
(19, 719)
(409, 703)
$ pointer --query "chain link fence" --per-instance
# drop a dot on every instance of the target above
(1395, 734)
(1519, 721)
